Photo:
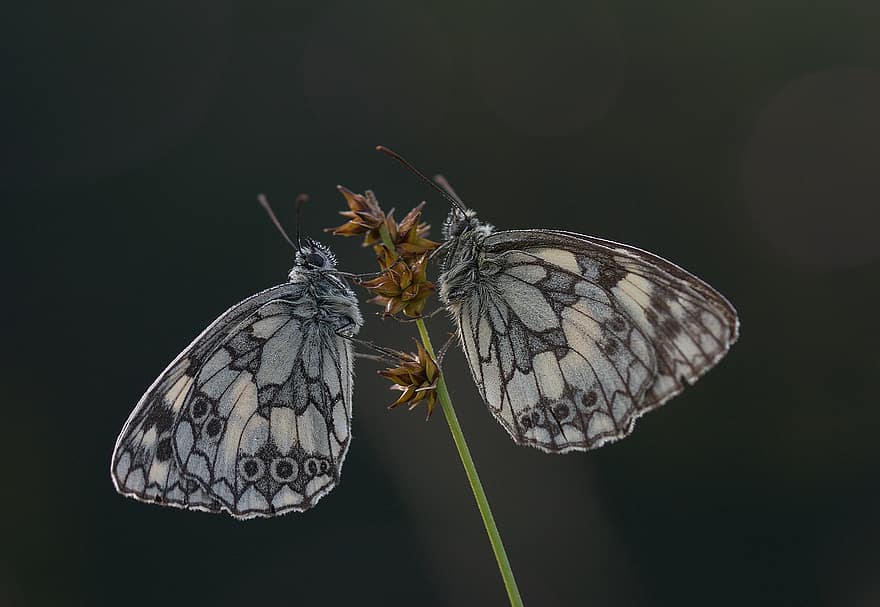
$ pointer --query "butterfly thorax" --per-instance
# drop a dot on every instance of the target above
(465, 267)
(334, 302)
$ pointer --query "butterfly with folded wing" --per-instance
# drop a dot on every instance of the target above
(570, 338)
(253, 418)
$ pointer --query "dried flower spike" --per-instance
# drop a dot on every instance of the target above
(403, 286)
(416, 377)
(409, 236)
(364, 217)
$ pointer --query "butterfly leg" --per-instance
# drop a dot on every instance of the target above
(373, 357)
(385, 354)
(436, 251)
(415, 318)
(441, 353)
(359, 277)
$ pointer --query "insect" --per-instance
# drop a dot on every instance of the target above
(571, 338)
(253, 418)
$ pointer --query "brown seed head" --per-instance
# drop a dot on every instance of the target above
(409, 236)
(364, 217)
(403, 286)
(416, 378)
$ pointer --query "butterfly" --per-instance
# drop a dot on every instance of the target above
(253, 418)
(570, 338)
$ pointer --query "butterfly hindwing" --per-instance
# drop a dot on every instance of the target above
(268, 421)
(557, 364)
(143, 463)
(253, 418)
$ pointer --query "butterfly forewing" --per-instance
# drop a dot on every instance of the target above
(690, 324)
(254, 417)
(571, 338)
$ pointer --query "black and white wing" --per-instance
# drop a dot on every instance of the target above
(253, 418)
(570, 338)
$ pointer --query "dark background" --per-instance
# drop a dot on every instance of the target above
(739, 139)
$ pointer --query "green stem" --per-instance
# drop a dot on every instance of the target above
(473, 478)
(467, 461)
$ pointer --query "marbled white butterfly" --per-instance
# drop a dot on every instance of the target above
(571, 338)
(253, 418)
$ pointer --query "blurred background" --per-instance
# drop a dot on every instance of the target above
(738, 139)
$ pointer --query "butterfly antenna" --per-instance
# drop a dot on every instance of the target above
(451, 199)
(441, 181)
(265, 204)
(300, 200)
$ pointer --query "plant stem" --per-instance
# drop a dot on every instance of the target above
(467, 461)
(473, 478)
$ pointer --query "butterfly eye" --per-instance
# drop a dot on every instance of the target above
(315, 259)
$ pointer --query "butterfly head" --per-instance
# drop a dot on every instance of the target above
(312, 256)
(459, 222)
